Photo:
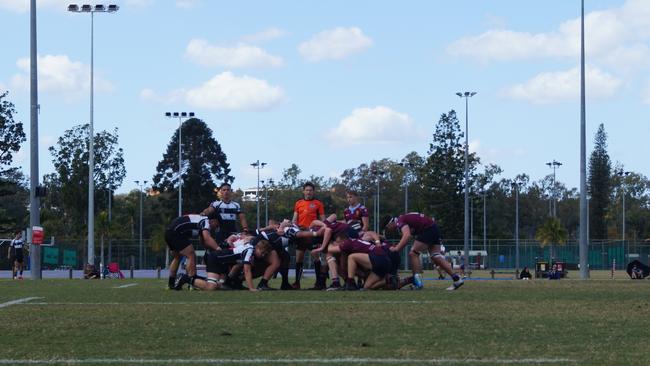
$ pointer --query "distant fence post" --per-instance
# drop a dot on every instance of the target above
(70, 273)
(158, 272)
(132, 265)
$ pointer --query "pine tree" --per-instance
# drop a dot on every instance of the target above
(600, 185)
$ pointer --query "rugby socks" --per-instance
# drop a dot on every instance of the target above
(405, 281)
(298, 271)
(171, 281)
(336, 282)
(320, 279)
(284, 272)
(263, 283)
(196, 277)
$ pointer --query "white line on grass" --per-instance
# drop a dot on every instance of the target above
(19, 301)
(295, 302)
(223, 361)
(127, 285)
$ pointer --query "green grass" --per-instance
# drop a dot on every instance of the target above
(584, 322)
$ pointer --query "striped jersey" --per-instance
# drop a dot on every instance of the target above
(228, 213)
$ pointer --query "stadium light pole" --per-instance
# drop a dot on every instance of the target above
(516, 185)
(180, 116)
(584, 215)
(140, 188)
(554, 165)
(406, 166)
(266, 200)
(378, 174)
(34, 199)
(92, 9)
(466, 95)
(258, 165)
(623, 174)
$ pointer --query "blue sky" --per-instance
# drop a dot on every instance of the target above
(333, 84)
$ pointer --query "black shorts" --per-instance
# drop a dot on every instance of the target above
(18, 255)
(381, 264)
(216, 262)
(176, 242)
(430, 236)
(308, 243)
(395, 260)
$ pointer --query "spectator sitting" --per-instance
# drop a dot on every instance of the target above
(525, 274)
(554, 274)
(90, 272)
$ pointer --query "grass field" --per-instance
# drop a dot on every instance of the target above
(568, 322)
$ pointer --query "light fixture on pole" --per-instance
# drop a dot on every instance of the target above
(258, 165)
(92, 9)
(140, 189)
(180, 116)
(623, 174)
(554, 165)
(516, 185)
(407, 169)
(378, 174)
(466, 95)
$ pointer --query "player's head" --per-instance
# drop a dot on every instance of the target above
(225, 192)
(341, 237)
(352, 197)
(388, 223)
(214, 222)
(262, 248)
(308, 190)
(273, 223)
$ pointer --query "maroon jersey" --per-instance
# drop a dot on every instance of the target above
(416, 222)
(337, 227)
(355, 213)
(361, 246)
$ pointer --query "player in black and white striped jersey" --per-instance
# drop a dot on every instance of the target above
(178, 235)
(16, 255)
(228, 212)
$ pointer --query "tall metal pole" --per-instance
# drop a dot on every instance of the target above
(516, 227)
(258, 165)
(484, 223)
(140, 187)
(466, 95)
(406, 196)
(91, 153)
(584, 218)
(34, 202)
(266, 203)
(180, 168)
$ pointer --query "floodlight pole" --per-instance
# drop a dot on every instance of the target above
(258, 165)
(516, 186)
(584, 215)
(554, 165)
(91, 148)
(140, 188)
(466, 95)
(34, 199)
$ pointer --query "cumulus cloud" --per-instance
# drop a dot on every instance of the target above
(59, 74)
(562, 86)
(334, 44)
(203, 53)
(373, 125)
(225, 91)
(614, 31)
(265, 35)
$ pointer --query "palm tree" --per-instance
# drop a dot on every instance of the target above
(550, 233)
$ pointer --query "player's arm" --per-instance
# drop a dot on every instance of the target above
(294, 220)
(208, 211)
(406, 235)
(365, 223)
(248, 275)
(208, 241)
(242, 221)
(327, 235)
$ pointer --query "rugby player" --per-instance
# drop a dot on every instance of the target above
(16, 255)
(178, 235)
(227, 212)
(427, 237)
(356, 211)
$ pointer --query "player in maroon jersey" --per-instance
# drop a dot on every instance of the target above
(356, 211)
(427, 237)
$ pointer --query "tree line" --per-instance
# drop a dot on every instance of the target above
(432, 183)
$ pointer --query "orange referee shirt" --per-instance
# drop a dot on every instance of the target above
(308, 211)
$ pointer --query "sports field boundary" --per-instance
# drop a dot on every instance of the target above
(245, 361)
(18, 301)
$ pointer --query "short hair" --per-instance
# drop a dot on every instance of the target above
(309, 184)
(224, 184)
(343, 235)
(352, 193)
(384, 222)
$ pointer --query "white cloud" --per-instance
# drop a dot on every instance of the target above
(203, 53)
(373, 125)
(265, 35)
(334, 44)
(58, 74)
(562, 86)
(611, 31)
(225, 91)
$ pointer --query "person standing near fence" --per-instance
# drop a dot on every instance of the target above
(16, 255)
(427, 237)
(356, 211)
(305, 211)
